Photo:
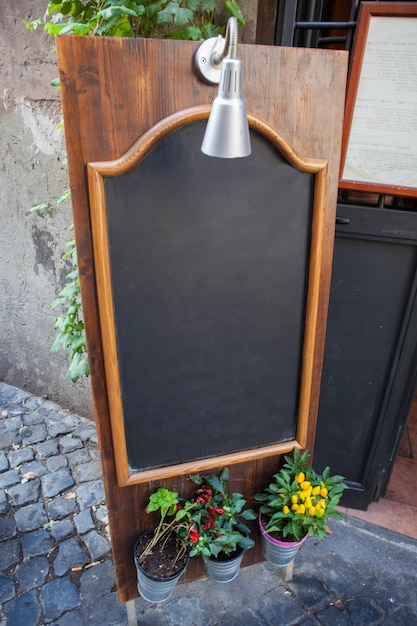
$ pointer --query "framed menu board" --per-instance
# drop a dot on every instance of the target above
(379, 147)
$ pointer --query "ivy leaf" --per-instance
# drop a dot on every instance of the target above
(235, 11)
(173, 13)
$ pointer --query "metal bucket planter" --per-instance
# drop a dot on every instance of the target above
(279, 553)
(224, 571)
(152, 588)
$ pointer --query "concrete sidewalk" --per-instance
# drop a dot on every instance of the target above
(55, 555)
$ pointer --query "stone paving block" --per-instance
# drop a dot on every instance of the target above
(4, 504)
(54, 483)
(62, 529)
(4, 463)
(84, 522)
(98, 580)
(23, 610)
(7, 590)
(309, 590)
(54, 463)
(363, 612)
(69, 444)
(32, 403)
(332, 616)
(48, 448)
(17, 457)
(90, 494)
(10, 553)
(85, 430)
(88, 471)
(32, 418)
(61, 506)
(70, 554)
(95, 454)
(33, 434)
(13, 423)
(9, 478)
(58, 424)
(8, 391)
(8, 439)
(24, 493)
(19, 396)
(32, 573)
(78, 457)
(106, 612)
(7, 528)
(102, 514)
(97, 545)
(35, 543)
(188, 612)
(279, 606)
(37, 467)
(31, 517)
(58, 596)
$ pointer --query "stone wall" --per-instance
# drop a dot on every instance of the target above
(32, 171)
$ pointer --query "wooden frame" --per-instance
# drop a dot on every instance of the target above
(97, 173)
(379, 145)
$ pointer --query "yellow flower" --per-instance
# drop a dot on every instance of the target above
(316, 490)
(300, 477)
(305, 485)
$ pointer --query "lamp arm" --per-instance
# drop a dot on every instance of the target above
(229, 49)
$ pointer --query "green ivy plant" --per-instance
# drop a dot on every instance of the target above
(70, 326)
(168, 19)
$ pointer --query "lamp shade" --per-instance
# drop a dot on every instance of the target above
(227, 132)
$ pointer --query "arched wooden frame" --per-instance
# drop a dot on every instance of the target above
(97, 172)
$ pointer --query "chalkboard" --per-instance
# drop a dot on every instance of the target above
(204, 269)
(208, 264)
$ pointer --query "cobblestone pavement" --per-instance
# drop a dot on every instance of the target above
(55, 556)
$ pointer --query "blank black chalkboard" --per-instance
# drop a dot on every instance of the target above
(209, 264)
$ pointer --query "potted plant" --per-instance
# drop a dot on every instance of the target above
(298, 503)
(215, 530)
(161, 554)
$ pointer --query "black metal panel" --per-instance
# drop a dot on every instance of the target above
(209, 263)
(371, 304)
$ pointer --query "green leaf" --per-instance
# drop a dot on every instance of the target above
(235, 11)
(225, 475)
(208, 5)
(173, 13)
(78, 367)
(249, 514)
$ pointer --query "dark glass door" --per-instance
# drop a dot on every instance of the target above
(370, 355)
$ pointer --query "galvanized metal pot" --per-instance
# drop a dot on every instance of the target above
(152, 588)
(224, 571)
(279, 553)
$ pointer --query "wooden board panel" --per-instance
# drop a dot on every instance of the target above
(114, 90)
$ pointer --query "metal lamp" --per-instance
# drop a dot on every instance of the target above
(227, 132)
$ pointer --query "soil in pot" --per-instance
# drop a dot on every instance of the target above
(163, 560)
